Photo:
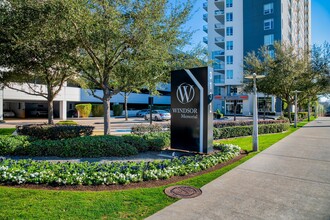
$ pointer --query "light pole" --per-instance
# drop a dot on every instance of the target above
(254, 76)
(295, 107)
(309, 108)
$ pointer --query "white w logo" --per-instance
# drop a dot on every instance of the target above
(185, 93)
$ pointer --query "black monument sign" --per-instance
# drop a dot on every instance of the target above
(191, 109)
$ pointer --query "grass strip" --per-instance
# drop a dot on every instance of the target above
(7, 131)
(19, 203)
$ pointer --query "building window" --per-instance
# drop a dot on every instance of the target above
(229, 3)
(229, 16)
(217, 90)
(229, 74)
(264, 104)
(268, 24)
(230, 107)
(230, 59)
(229, 45)
(271, 53)
(229, 31)
(268, 8)
(269, 39)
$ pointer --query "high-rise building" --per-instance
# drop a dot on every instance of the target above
(236, 27)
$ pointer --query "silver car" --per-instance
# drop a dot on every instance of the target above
(142, 112)
(158, 115)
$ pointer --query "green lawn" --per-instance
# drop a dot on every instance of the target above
(133, 204)
(7, 131)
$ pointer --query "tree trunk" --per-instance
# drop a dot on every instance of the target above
(106, 106)
(125, 101)
(50, 111)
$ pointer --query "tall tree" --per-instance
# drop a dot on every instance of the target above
(35, 48)
(285, 72)
(113, 33)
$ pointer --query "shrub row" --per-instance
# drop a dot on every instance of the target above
(54, 132)
(89, 146)
(238, 131)
(44, 172)
(67, 122)
(222, 124)
(301, 115)
(13, 145)
(142, 129)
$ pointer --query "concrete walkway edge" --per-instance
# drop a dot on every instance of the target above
(289, 180)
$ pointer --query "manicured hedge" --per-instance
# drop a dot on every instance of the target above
(89, 146)
(139, 143)
(157, 141)
(84, 110)
(117, 110)
(97, 110)
(222, 124)
(301, 115)
(44, 172)
(13, 145)
(54, 132)
(67, 122)
(238, 131)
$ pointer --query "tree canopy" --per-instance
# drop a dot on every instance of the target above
(288, 70)
(36, 48)
(114, 35)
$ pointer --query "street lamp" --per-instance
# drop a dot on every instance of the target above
(254, 76)
(295, 107)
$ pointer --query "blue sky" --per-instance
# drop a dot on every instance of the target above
(320, 21)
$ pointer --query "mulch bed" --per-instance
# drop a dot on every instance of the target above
(144, 184)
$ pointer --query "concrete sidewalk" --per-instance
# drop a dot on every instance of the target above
(289, 180)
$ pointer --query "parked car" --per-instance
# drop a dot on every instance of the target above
(142, 112)
(327, 114)
(39, 112)
(8, 113)
(158, 115)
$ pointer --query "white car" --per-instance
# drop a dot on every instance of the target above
(158, 115)
(8, 113)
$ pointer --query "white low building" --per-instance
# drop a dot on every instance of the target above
(23, 104)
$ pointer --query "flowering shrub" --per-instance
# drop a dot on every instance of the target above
(85, 173)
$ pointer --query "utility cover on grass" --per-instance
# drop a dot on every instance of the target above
(182, 192)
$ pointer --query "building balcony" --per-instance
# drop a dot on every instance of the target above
(205, 28)
(219, 15)
(205, 40)
(218, 79)
(205, 17)
(220, 55)
(220, 3)
(219, 41)
(219, 12)
(219, 28)
(218, 67)
(205, 6)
